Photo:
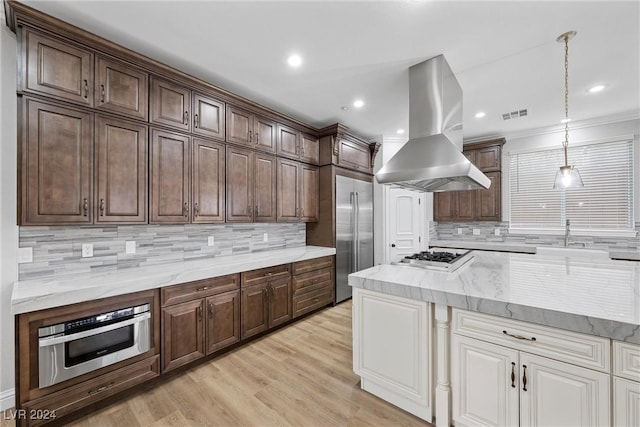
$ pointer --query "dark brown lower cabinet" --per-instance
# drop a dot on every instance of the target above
(313, 284)
(267, 301)
(183, 337)
(223, 320)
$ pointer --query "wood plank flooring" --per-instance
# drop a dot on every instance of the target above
(300, 375)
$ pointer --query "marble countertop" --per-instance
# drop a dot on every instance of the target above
(593, 296)
(38, 294)
(483, 246)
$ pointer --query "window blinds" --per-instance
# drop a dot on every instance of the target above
(605, 202)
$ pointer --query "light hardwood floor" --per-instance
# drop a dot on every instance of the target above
(298, 376)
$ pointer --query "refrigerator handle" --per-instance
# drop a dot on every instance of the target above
(357, 232)
(354, 258)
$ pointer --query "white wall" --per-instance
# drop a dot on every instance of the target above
(8, 228)
(584, 132)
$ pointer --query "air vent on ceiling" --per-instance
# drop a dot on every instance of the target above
(514, 114)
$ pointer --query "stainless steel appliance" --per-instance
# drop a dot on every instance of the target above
(354, 231)
(73, 348)
(438, 259)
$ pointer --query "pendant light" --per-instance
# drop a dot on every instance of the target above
(568, 175)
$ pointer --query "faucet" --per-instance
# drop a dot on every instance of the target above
(566, 233)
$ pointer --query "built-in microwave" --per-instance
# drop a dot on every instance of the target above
(73, 348)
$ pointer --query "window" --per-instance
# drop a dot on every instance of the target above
(605, 202)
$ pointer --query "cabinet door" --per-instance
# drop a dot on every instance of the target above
(223, 324)
(626, 402)
(182, 334)
(239, 184)
(121, 89)
(560, 394)
(488, 201)
(288, 181)
(170, 104)
(121, 171)
(465, 205)
(169, 177)
(444, 206)
(484, 383)
(488, 159)
(56, 165)
(280, 308)
(265, 188)
(207, 181)
(255, 310)
(354, 155)
(57, 68)
(208, 117)
(265, 134)
(239, 126)
(309, 149)
(288, 142)
(309, 178)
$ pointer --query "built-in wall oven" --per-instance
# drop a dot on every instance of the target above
(73, 348)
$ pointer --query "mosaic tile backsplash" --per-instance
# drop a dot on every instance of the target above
(449, 231)
(57, 251)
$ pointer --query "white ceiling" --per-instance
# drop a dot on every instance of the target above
(504, 54)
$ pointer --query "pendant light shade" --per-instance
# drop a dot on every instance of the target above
(568, 176)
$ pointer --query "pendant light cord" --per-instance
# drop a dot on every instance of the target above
(565, 144)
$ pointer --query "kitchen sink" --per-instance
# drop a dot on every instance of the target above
(573, 252)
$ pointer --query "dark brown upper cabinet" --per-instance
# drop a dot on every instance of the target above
(297, 145)
(56, 68)
(208, 117)
(251, 130)
(354, 155)
(170, 199)
(475, 205)
(251, 186)
(121, 89)
(170, 105)
(121, 171)
(297, 191)
(339, 146)
(309, 149)
(56, 165)
(208, 181)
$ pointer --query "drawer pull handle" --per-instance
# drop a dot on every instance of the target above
(86, 89)
(101, 207)
(315, 300)
(196, 121)
(524, 378)
(513, 375)
(103, 388)
(196, 210)
(102, 93)
(186, 118)
(519, 337)
(185, 210)
(85, 206)
(204, 288)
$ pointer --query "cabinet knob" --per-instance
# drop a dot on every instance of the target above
(85, 207)
(101, 207)
(393, 245)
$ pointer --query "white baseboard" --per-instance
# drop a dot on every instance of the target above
(7, 399)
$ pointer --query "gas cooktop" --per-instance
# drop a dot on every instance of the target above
(437, 260)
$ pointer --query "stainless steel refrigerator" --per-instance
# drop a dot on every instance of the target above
(354, 231)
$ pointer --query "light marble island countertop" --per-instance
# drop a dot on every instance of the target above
(38, 294)
(593, 296)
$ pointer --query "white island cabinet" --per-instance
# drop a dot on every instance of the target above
(510, 340)
(392, 349)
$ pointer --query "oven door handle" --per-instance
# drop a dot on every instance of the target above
(46, 342)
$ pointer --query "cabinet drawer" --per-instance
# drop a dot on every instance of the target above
(571, 347)
(73, 398)
(312, 264)
(312, 300)
(311, 280)
(255, 276)
(200, 288)
(626, 360)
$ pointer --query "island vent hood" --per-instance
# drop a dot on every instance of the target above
(432, 159)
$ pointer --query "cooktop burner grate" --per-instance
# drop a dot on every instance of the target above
(437, 260)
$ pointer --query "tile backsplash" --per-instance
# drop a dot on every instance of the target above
(486, 233)
(57, 251)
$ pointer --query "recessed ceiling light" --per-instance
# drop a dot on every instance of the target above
(567, 120)
(358, 103)
(597, 88)
(480, 114)
(400, 131)
(294, 60)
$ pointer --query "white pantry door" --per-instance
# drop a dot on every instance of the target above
(406, 223)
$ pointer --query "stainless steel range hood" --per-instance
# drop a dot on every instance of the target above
(432, 159)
